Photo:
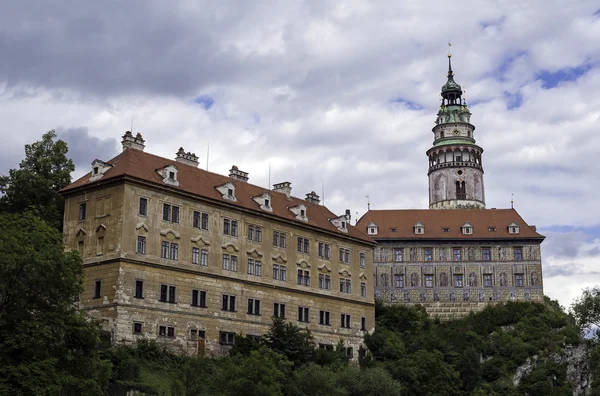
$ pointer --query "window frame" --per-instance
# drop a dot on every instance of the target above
(143, 209)
(82, 211)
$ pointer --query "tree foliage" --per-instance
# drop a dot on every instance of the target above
(586, 310)
(46, 345)
(45, 170)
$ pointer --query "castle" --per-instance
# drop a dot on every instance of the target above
(457, 256)
(193, 258)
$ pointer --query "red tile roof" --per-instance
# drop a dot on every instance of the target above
(434, 220)
(141, 165)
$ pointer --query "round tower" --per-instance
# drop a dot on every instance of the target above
(455, 167)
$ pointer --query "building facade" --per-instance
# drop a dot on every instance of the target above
(457, 256)
(193, 258)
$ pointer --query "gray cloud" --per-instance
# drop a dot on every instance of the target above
(84, 148)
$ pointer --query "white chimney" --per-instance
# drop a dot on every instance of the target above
(237, 174)
(129, 141)
(186, 158)
(312, 197)
(284, 188)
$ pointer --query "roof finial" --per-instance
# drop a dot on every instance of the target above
(450, 74)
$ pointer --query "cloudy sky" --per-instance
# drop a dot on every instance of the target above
(340, 94)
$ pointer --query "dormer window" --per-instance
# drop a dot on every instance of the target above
(492, 229)
(169, 175)
(393, 229)
(419, 228)
(467, 228)
(299, 211)
(445, 229)
(99, 168)
(343, 224)
(372, 228)
(267, 203)
(227, 191)
(340, 223)
(513, 228)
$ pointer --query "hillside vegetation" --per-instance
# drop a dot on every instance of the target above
(411, 354)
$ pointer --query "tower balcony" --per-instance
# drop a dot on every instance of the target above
(455, 164)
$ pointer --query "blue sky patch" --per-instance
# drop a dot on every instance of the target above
(204, 101)
(513, 100)
(552, 79)
(408, 104)
(507, 63)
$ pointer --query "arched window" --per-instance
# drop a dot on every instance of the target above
(441, 134)
(461, 192)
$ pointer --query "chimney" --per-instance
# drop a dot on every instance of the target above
(348, 216)
(131, 142)
(237, 174)
(284, 188)
(186, 158)
(312, 197)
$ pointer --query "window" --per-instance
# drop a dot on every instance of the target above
(97, 288)
(393, 230)
(279, 310)
(487, 280)
(228, 303)
(141, 245)
(458, 281)
(234, 228)
(204, 257)
(363, 323)
(492, 229)
(171, 213)
(267, 203)
(166, 331)
(428, 255)
(226, 338)
(80, 246)
(363, 289)
(345, 255)
(196, 219)
(275, 238)
(226, 226)
(349, 352)
(95, 170)
(174, 251)
(324, 317)
(428, 280)
(302, 213)
(198, 298)
(345, 285)
(282, 240)
(172, 175)
(486, 254)
(230, 192)
(324, 250)
(363, 260)
(137, 328)
(143, 207)
(303, 277)
(518, 254)
(324, 282)
(254, 267)
(399, 280)
(230, 262)
(398, 255)
(169, 253)
(456, 254)
(345, 319)
(279, 239)
(254, 233)
(195, 255)
(204, 224)
(139, 289)
(279, 272)
(445, 229)
(467, 230)
(303, 245)
(164, 250)
(167, 293)
(82, 210)
(253, 306)
(303, 314)
(519, 280)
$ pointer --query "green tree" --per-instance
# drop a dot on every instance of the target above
(586, 310)
(45, 170)
(296, 344)
(46, 345)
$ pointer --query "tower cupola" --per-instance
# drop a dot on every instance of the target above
(455, 167)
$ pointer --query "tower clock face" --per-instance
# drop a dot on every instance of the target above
(456, 132)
